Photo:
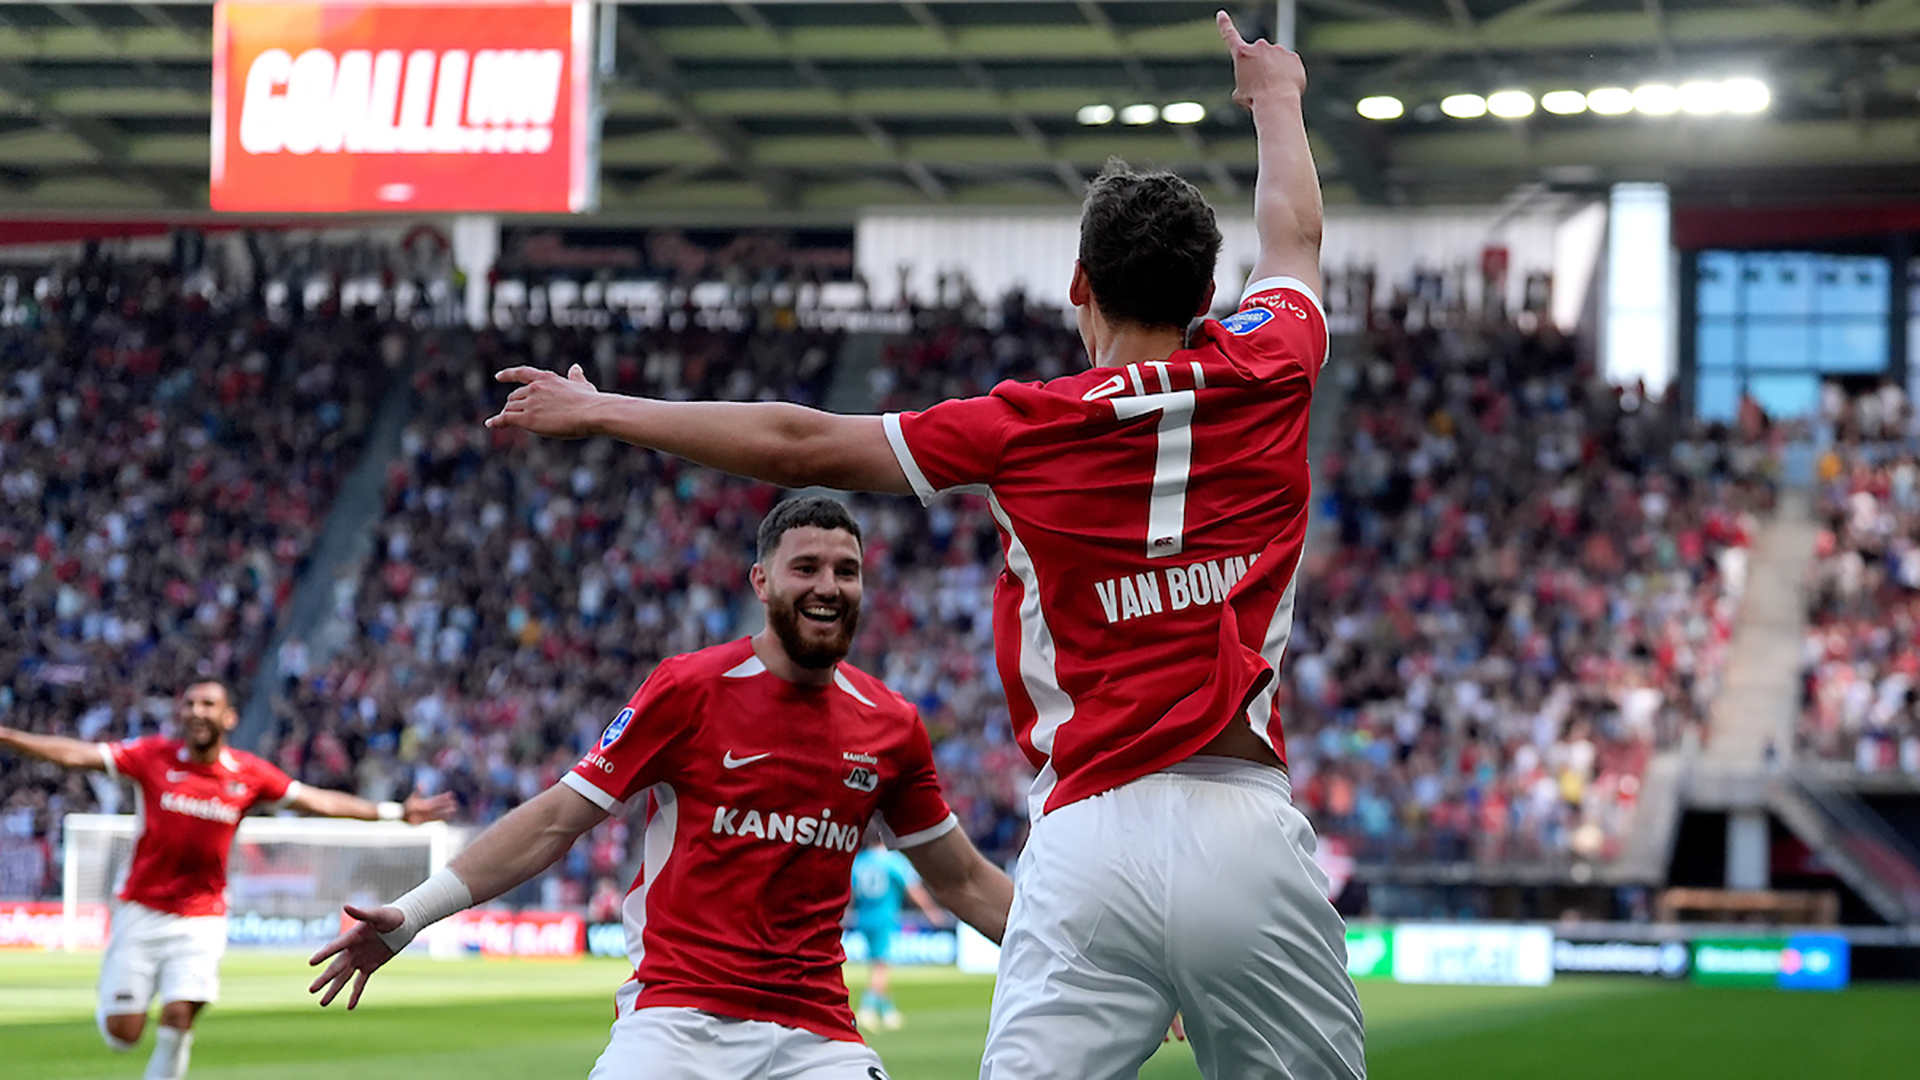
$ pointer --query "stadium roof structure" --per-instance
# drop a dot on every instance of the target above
(744, 109)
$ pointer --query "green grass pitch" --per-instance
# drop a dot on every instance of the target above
(482, 1020)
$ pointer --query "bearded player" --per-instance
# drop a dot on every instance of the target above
(1152, 512)
(169, 926)
(757, 765)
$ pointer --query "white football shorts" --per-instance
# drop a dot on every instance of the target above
(1191, 889)
(665, 1042)
(157, 954)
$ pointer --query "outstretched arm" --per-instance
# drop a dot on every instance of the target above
(511, 852)
(1269, 80)
(417, 810)
(789, 445)
(62, 751)
(964, 882)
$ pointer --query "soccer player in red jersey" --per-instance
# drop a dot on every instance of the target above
(170, 925)
(1152, 511)
(757, 765)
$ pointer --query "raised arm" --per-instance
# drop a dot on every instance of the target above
(789, 445)
(325, 802)
(64, 752)
(1269, 81)
(509, 853)
(964, 882)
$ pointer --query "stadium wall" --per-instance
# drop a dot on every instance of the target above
(1000, 250)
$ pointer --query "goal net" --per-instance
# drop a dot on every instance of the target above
(287, 877)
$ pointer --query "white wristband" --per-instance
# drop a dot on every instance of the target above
(390, 811)
(427, 903)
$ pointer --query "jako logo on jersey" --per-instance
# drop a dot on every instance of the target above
(615, 729)
(787, 828)
(1242, 323)
(364, 102)
(204, 809)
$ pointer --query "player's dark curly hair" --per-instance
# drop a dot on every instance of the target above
(817, 511)
(1148, 242)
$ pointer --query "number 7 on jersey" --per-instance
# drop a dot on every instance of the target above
(1172, 464)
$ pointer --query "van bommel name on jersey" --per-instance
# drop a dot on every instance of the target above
(495, 101)
(1172, 589)
(787, 828)
(204, 809)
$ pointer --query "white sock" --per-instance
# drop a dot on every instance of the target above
(171, 1046)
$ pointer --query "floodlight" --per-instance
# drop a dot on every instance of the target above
(1610, 100)
(1510, 104)
(1656, 99)
(1380, 107)
(1564, 102)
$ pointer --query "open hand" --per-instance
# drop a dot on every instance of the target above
(1260, 68)
(546, 403)
(357, 954)
(420, 809)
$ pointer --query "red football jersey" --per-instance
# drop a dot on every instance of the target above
(757, 792)
(185, 820)
(1153, 518)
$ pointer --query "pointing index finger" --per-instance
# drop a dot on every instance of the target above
(1228, 32)
(521, 374)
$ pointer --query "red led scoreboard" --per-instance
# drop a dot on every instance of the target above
(402, 105)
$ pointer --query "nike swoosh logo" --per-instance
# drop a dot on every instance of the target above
(732, 762)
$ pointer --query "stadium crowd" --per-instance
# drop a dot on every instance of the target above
(1523, 583)
(1528, 587)
(168, 453)
(1861, 700)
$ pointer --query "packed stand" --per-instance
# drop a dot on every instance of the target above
(1862, 658)
(1524, 585)
(519, 589)
(168, 452)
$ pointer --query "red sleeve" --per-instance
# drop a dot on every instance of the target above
(913, 807)
(954, 444)
(1280, 317)
(629, 758)
(269, 783)
(134, 758)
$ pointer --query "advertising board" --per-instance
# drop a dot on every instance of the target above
(1487, 955)
(402, 105)
(1815, 962)
(1730, 961)
(37, 924)
(1370, 952)
(1667, 959)
(552, 934)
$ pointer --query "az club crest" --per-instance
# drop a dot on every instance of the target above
(615, 730)
(862, 778)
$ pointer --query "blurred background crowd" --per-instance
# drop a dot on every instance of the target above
(1521, 584)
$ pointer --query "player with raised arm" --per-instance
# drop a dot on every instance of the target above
(169, 926)
(757, 765)
(882, 881)
(1153, 512)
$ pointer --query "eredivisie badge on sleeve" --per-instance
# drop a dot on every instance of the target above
(615, 729)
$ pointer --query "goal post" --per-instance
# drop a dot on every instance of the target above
(287, 877)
